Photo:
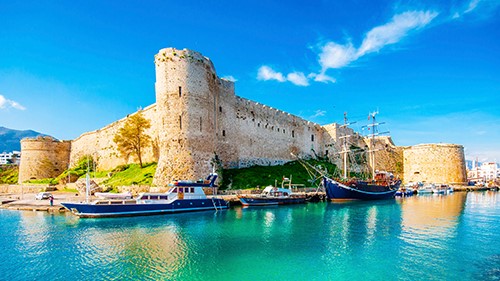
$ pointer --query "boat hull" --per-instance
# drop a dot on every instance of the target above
(88, 210)
(337, 191)
(256, 201)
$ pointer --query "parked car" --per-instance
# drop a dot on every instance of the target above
(43, 195)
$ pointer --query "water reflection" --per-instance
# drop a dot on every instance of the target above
(431, 216)
(416, 238)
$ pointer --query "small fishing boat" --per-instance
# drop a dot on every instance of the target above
(184, 196)
(442, 189)
(426, 189)
(273, 196)
(404, 192)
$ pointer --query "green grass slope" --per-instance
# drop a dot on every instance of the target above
(267, 175)
(9, 174)
(132, 174)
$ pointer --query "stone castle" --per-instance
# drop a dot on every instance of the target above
(197, 118)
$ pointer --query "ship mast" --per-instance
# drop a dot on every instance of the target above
(344, 138)
(374, 128)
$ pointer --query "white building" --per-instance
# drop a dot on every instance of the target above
(10, 158)
(486, 172)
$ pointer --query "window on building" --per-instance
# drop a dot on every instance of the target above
(312, 137)
(180, 122)
(220, 108)
(293, 134)
(223, 133)
(200, 124)
(180, 91)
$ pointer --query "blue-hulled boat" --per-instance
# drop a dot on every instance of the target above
(383, 188)
(184, 196)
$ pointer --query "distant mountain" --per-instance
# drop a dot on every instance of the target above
(10, 140)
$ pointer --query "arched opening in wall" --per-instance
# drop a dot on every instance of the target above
(223, 133)
(180, 91)
(312, 137)
(33, 178)
(283, 131)
(258, 124)
(180, 122)
(220, 108)
(416, 173)
(293, 134)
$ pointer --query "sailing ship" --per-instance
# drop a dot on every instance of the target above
(184, 196)
(383, 185)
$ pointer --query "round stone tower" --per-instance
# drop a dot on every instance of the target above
(435, 163)
(186, 98)
(43, 157)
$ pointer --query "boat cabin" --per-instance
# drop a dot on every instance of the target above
(271, 191)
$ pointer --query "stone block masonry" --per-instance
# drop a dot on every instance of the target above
(435, 163)
(43, 157)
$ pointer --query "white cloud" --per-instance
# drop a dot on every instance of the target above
(393, 31)
(267, 73)
(298, 78)
(321, 77)
(6, 103)
(472, 5)
(230, 78)
(482, 9)
(318, 113)
(334, 55)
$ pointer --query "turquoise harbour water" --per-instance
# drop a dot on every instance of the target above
(454, 237)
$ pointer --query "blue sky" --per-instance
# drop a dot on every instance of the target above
(431, 68)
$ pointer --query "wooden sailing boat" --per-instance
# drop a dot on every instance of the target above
(382, 186)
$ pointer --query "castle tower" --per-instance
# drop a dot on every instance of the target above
(435, 163)
(187, 94)
(43, 157)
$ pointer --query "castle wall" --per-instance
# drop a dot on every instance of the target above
(267, 136)
(202, 117)
(43, 157)
(100, 145)
(435, 163)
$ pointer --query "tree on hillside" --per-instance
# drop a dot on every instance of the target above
(131, 138)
